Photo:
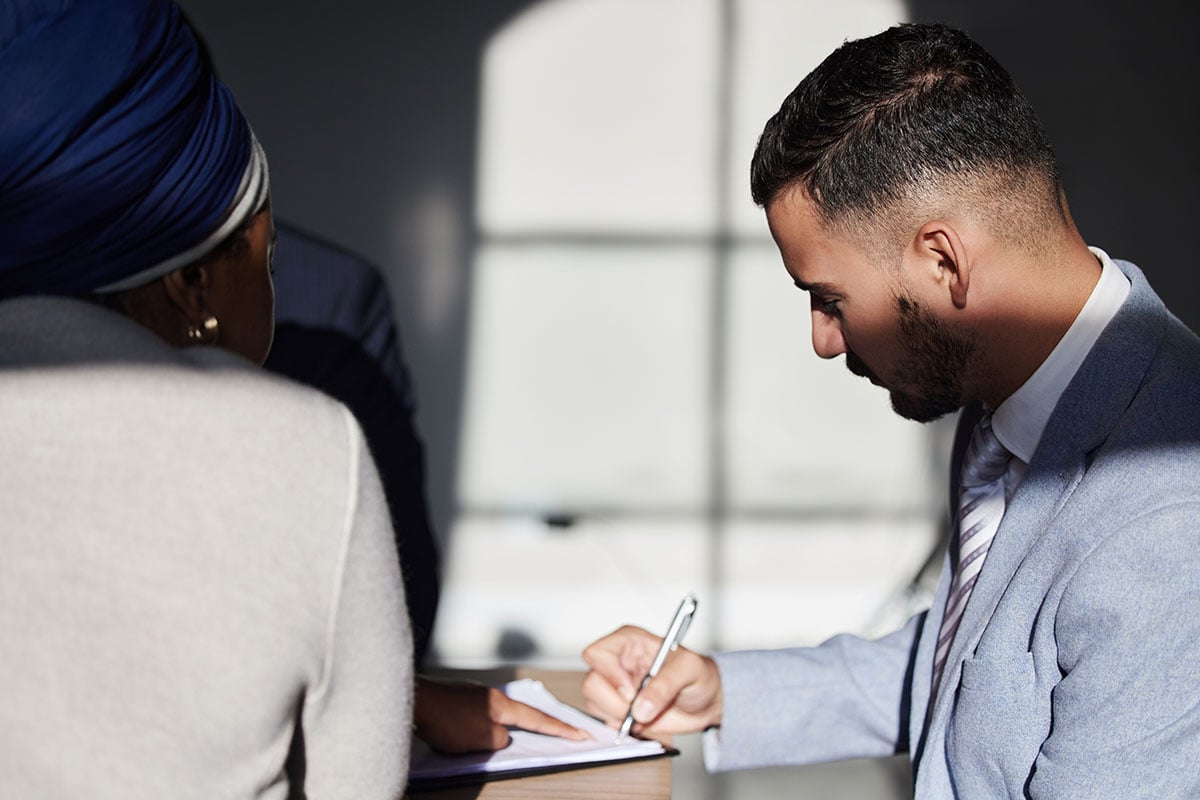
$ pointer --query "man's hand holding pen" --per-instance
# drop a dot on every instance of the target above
(684, 697)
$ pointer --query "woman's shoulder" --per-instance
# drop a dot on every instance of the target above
(70, 357)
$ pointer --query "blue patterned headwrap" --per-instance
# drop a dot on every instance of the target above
(121, 155)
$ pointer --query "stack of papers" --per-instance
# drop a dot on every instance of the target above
(530, 752)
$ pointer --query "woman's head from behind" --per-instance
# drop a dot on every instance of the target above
(127, 170)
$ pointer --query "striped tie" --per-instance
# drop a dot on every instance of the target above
(980, 507)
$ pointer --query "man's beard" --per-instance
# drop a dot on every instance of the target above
(934, 359)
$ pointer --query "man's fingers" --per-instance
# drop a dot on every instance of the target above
(604, 700)
(615, 656)
(622, 657)
(685, 697)
(662, 690)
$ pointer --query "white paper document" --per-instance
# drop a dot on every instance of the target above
(533, 752)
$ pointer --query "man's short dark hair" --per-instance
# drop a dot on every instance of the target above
(913, 107)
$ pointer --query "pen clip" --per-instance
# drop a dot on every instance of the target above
(687, 621)
(679, 625)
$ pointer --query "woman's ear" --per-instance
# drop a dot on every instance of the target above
(940, 253)
(187, 291)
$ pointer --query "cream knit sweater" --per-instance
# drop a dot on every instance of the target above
(197, 576)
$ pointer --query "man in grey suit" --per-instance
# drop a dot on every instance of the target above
(913, 194)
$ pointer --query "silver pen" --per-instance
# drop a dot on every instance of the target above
(679, 626)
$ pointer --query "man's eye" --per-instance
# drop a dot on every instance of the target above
(830, 308)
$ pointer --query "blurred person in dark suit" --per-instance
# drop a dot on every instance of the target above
(335, 331)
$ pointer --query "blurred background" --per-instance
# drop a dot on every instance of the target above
(614, 380)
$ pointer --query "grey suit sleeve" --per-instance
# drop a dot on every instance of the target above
(1126, 714)
(357, 721)
(847, 698)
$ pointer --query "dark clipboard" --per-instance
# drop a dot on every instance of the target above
(419, 785)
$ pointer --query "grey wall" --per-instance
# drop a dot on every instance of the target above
(368, 111)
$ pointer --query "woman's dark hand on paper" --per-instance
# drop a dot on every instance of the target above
(455, 716)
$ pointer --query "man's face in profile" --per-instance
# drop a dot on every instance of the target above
(863, 311)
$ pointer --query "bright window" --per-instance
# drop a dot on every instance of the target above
(645, 414)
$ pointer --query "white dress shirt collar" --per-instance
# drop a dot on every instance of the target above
(1020, 420)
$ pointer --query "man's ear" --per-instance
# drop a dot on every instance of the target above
(187, 291)
(940, 254)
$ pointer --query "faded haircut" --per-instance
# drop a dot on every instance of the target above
(897, 124)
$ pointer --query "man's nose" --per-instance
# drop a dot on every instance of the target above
(827, 339)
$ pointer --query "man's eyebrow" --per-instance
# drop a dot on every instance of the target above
(816, 288)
